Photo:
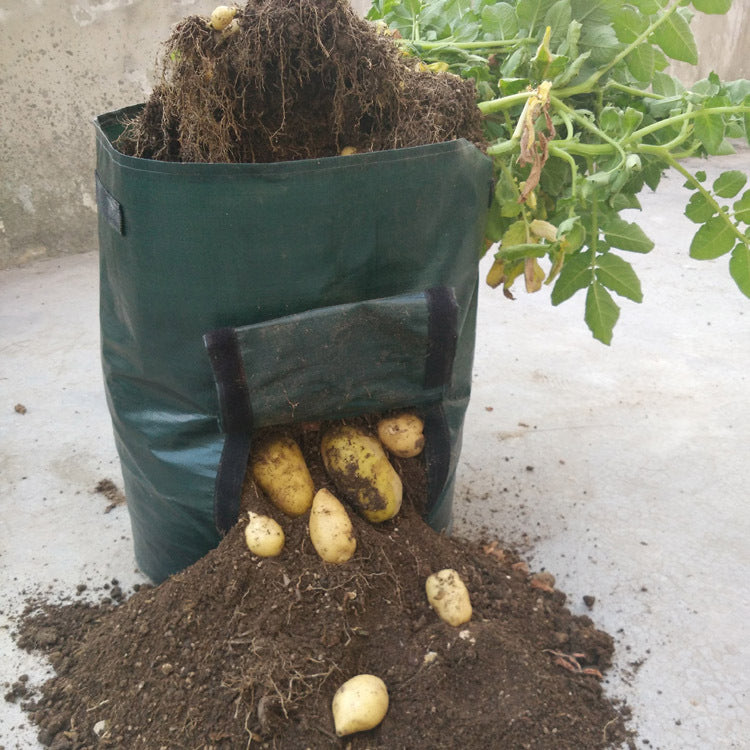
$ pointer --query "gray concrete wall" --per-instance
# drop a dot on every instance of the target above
(63, 62)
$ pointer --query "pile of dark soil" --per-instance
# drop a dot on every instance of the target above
(299, 79)
(239, 651)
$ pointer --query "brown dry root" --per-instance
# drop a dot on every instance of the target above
(300, 79)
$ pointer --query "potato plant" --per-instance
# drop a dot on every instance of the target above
(581, 116)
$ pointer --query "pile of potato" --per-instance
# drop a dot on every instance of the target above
(358, 465)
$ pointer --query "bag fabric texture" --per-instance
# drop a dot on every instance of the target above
(241, 296)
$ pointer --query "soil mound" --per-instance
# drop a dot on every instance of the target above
(294, 79)
(239, 651)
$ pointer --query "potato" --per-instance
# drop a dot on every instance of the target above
(402, 435)
(449, 597)
(222, 16)
(331, 531)
(362, 472)
(263, 536)
(279, 468)
(361, 703)
(348, 151)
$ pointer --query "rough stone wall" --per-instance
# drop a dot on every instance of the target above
(63, 62)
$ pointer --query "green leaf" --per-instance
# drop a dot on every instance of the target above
(572, 70)
(728, 184)
(652, 173)
(610, 120)
(631, 119)
(618, 275)
(641, 62)
(513, 63)
(699, 209)
(590, 12)
(510, 86)
(709, 130)
(724, 148)
(531, 14)
(707, 87)
(666, 85)
(742, 208)
(649, 7)
(629, 23)
(516, 234)
(499, 21)
(746, 118)
(676, 39)
(601, 312)
(712, 6)
(714, 239)
(601, 40)
(573, 237)
(739, 267)
(624, 200)
(558, 19)
(737, 90)
(517, 252)
(626, 236)
(576, 274)
(572, 38)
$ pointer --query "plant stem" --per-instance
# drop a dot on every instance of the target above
(631, 90)
(449, 45)
(503, 147)
(690, 115)
(566, 156)
(598, 132)
(505, 102)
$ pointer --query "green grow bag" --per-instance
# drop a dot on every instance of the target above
(237, 296)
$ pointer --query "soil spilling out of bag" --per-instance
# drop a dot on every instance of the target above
(294, 79)
(241, 651)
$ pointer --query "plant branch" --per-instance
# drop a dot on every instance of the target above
(631, 90)
(505, 102)
(447, 45)
(584, 123)
(707, 194)
(689, 115)
(588, 85)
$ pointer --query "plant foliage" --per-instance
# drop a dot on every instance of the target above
(581, 116)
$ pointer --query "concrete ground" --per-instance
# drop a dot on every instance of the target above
(621, 470)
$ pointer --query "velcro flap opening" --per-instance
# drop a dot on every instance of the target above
(337, 361)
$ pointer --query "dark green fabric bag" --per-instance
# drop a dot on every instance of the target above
(238, 296)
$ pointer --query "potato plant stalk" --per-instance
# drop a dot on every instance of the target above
(580, 116)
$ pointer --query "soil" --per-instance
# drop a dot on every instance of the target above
(295, 79)
(242, 652)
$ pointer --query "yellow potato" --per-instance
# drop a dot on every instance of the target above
(449, 597)
(222, 16)
(402, 435)
(331, 531)
(279, 468)
(348, 151)
(362, 472)
(361, 703)
(263, 536)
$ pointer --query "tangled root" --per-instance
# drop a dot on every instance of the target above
(297, 79)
